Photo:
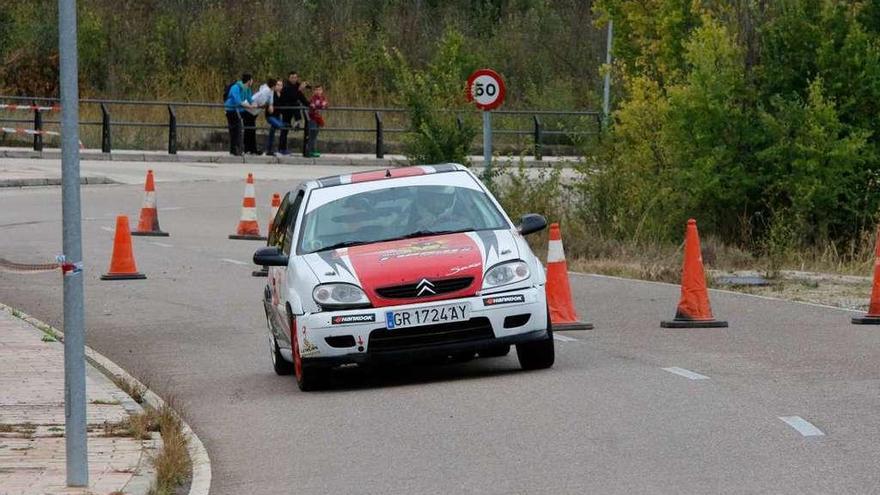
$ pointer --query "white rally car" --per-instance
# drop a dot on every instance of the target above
(404, 263)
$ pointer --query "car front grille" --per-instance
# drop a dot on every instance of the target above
(398, 339)
(409, 291)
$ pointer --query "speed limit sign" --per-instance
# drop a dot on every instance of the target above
(486, 89)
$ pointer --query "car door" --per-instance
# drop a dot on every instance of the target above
(282, 237)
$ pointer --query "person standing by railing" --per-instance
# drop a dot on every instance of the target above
(316, 120)
(237, 100)
(291, 96)
(273, 116)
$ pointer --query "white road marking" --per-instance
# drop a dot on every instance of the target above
(803, 426)
(563, 338)
(686, 373)
(161, 244)
(235, 262)
(108, 229)
(172, 208)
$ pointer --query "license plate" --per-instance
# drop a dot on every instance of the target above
(427, 316)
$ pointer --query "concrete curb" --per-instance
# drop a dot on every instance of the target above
(56, 181)
(201, 463)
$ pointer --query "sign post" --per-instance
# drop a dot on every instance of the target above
(485, 88)
(74, 334)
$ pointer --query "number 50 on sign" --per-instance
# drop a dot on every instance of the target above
(486, 89)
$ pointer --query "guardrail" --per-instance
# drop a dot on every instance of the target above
(536, 129)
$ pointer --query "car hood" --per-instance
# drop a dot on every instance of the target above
(420, 269)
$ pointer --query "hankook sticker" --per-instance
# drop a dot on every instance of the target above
(492, 301)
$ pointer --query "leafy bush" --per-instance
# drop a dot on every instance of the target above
(435, 134)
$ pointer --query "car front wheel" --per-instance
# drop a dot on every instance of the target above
(279, 364)
(308, 378)
(538, 354)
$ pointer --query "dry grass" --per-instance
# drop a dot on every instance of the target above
(172, 464)
(137, 426)
(134, 390)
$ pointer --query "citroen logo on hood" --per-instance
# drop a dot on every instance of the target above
(425, 287)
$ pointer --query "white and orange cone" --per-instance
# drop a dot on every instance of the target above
(148, 224)
(248, 228)
(562, 313)
(276, 203)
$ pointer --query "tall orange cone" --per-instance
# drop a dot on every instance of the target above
(873, 315)
(562, 313)
(276, 203)
(149, 219)
(693, 310)
(248, 228)
(122, 266)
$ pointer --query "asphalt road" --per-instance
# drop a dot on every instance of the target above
(606, 419)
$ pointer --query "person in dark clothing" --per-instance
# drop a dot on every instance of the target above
(237, 101)
(291, 96)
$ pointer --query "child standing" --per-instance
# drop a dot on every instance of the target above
(316, 121)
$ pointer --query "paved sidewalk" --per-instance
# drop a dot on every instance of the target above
(32, 447)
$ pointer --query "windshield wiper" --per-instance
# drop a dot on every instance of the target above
(426, 233)
(342, 244)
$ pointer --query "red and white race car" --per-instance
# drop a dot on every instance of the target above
(404, 263)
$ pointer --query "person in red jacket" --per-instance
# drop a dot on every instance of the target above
(316, 120)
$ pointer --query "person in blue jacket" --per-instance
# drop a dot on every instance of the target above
(238, 100)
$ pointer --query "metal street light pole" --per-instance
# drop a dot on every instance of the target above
(74, 334)
(606, 102)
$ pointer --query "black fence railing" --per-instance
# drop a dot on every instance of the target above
(366, 120)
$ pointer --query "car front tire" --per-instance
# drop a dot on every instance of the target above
(308, 378)
(281, 366)
(538, 354)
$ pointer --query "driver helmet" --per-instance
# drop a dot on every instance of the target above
(438, 201)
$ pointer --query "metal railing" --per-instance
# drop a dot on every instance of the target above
(536, 128)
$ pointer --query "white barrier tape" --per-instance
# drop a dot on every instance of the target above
(29, 108)
(31, 132)
(555, 253)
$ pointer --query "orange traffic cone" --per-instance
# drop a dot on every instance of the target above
(562, 313)
(276, 203)
(122, 266)
(693, 310)
(873, 315)
(149, 219)
(248, 228)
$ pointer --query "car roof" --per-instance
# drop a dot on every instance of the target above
(383, 174)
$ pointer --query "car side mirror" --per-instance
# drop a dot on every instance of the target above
(531, 223)
(270, 256)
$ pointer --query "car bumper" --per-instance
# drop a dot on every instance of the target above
(357, 336)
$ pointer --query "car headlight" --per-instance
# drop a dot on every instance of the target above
(340, 296)
(506, 273)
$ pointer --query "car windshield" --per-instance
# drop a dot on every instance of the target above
(398, 213)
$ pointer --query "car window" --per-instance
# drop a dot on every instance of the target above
(289, 222)
(275, 235)
(398, 212)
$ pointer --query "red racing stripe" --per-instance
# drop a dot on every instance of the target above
(409, 261)
(384, 174)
